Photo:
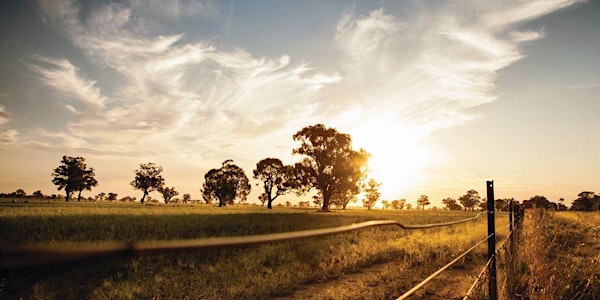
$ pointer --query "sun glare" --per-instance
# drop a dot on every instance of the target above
(397, 156)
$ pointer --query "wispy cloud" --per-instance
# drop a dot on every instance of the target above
(61, 75)
(4, 116)
(395, 79)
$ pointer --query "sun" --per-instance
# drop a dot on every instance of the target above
(398, 155)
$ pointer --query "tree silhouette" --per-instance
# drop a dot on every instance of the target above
(586, 201)
(225, 184)
(451, 204)
(276, 177)
(148, 179)
(330, 165)
(372, 193)
(423, 201)
(38, 194)
(187, 198)
(73, 175)
(398, 203)
(470, 199)
(20, 193)
(538, 202)
(167, 193)
(112, 196)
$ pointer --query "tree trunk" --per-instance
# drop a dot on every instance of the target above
(79, 196)
(325, 207)
(68, 195)
(221, 203)
(144, 197)
(270, 204)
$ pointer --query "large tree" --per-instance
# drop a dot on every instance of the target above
(423, 201)
(586, 201)
(276, 177)
(167, 193)
(225, 184)
(538, 202)
(451, 204)
(148, 179)
(73, 175)
(398, 203)
(330, 165)
(470, 199)
(372, 193)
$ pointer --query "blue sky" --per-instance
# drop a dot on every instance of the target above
(444, 94)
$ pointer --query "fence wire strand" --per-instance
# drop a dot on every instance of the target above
(39, 255)
(479, 278)
(440, 270)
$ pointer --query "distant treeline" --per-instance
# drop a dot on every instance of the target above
(586, 201)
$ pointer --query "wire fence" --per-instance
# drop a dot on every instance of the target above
(41, 255)
(34, 256)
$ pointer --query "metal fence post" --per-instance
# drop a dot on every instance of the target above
(491, 241)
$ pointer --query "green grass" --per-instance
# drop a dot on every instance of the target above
(243, 273)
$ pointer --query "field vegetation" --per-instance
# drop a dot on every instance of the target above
(559, 256)
(267, 271)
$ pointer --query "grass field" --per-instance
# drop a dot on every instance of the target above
(559, 256)
(258, 272)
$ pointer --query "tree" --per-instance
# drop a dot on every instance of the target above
(372, 193)
(263, 199)
(167, 193)
(398, 203)
(187, 198)
(538, 202)
(423, 201)
(386, 204)
(276, 177)
(586, 201)
(73, 175)
(88, 182)
(100, 196)
(470, 199)
(225, 184)
(408, 206)
(451, 204)
(112, 196)
(148, 179)
(38, 194)
(19, 193)
(330, 165)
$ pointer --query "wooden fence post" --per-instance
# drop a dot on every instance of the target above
(492, 288)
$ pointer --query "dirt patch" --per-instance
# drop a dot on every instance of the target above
(390, 280)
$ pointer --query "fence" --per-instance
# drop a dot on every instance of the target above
(23, 257)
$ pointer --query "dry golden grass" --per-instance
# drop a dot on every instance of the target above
(267, 271)
(559, 256)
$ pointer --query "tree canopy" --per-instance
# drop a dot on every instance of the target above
(586, 201)
(423, 201)
(73, 175)
(225, 184)
(148, 179)
(277, 179)
(330, 165)
(372, 193)
(451, 204)
(167, 193)
(470, 199)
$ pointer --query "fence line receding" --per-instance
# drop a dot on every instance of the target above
(39, 255)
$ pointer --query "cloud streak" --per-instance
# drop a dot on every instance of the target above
(396, 78)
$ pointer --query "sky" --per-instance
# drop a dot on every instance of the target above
(444, 95)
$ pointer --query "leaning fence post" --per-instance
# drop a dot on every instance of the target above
(491, 241)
